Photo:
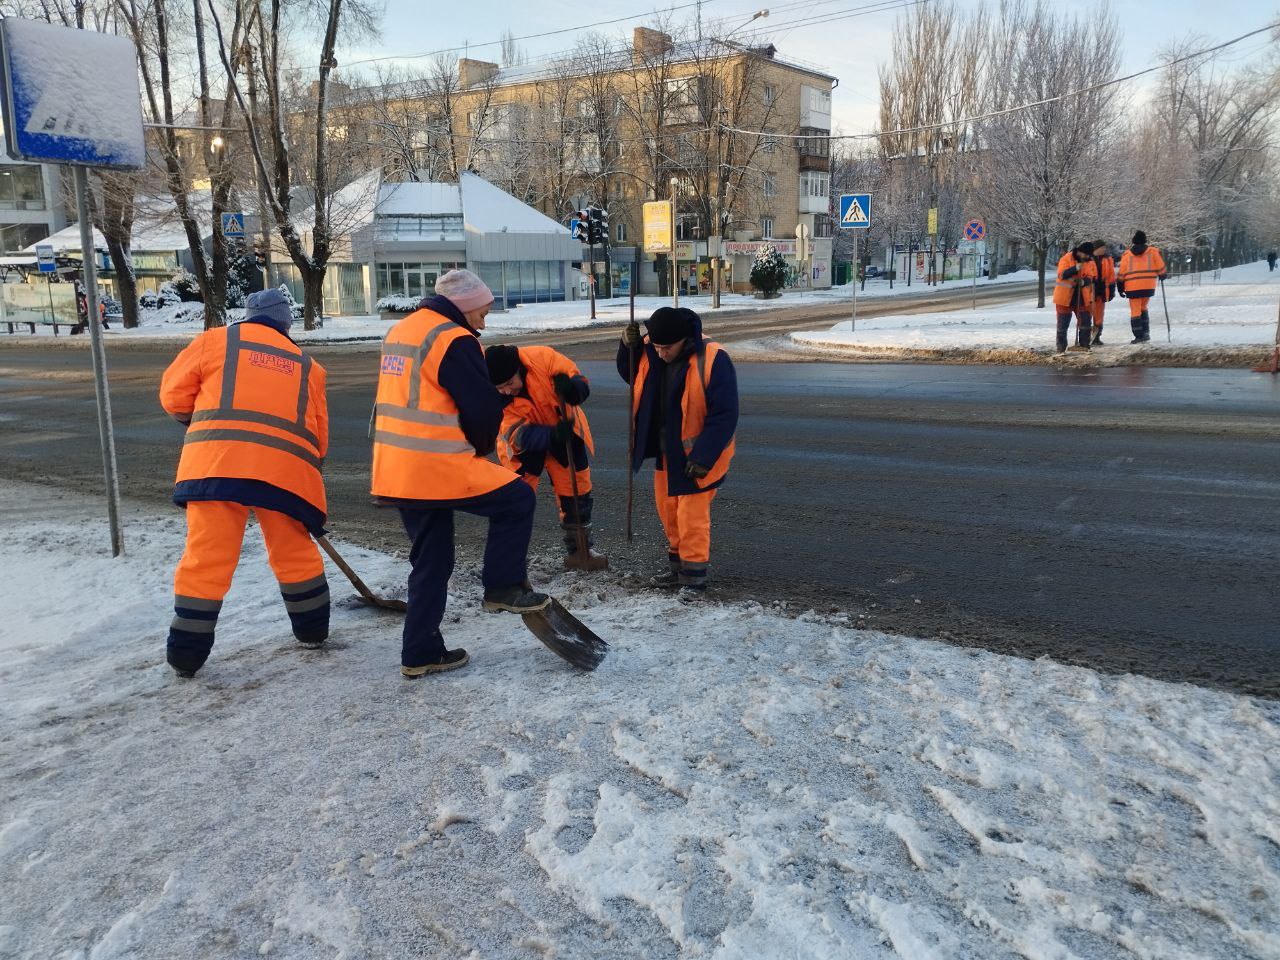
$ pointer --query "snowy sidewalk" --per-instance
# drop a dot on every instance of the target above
(1228, 322)
(731, 783)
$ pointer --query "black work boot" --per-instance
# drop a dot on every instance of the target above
(449, 660)
(693, 581)
(670, 578)
(518, 599)
(1097, 336)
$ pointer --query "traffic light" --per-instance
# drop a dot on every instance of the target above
(603, 220)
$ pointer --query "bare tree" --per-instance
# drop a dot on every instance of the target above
(1045, 167)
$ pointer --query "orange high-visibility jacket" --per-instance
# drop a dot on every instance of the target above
(1139, 272)
(420, 451)
(541, 407)
(1104, 275)
(693, 409)
(1074, 292)
(257, 413)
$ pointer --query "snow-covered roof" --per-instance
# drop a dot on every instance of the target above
(490, 209)
(419, 200)
(166, 237)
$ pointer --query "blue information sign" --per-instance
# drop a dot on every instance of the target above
(233, 224)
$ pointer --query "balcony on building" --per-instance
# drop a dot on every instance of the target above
(814, 148)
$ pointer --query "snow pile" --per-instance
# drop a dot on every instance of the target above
(1239, 312)
(730, 783)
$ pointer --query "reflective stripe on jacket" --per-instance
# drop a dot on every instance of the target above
(420, 451)
(699, 369)
(1140, 272)
(257, 416)
(1076, 291)
(541, 407)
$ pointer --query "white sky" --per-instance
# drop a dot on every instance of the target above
(850, 49)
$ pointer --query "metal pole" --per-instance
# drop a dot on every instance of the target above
(854, 322)
(975, 275)
(675, 260)
(105, 435)
(591, 276)
(631, 408)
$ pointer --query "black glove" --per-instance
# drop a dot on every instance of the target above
(631, 336)
(561, 433)
(695, 471)
(1111, 292)
(565, 389)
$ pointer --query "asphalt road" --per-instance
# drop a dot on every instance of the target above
(1121, 518)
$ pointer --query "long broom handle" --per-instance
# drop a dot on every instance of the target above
(342, 565)
(580, 535)
(1165, 300)
(631, 431)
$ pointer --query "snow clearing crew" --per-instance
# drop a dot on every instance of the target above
(1104, 286)
(258, 430)
(543, 391)
(1073, 293)
(1141, 268)
(686, 414)
(435, 420)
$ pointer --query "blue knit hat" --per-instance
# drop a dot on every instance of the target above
(270, 307)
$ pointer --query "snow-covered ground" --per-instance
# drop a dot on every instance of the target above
(186, 319)
(731, 783)
(1237, 311)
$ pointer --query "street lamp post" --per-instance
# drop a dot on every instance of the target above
(675, 260)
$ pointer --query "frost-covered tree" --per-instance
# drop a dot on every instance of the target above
(768, 270)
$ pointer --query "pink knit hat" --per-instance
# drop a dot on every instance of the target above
(466, 291)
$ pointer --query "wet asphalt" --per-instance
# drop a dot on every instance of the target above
(1121, 518)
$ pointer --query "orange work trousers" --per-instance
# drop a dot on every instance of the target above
(215, 533)
(560, 481)
(686, 520)
(1099, 308)
(1138, 306)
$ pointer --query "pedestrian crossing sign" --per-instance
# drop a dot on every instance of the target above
(233, 224)
(855, 211)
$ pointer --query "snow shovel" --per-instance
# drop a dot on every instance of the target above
(367, 596)
(566, 636)
(1274, 365)
(1165, 301)
(582, 558)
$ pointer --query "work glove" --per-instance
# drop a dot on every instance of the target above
(631, 336)
(1111, 292)
(695, 471)
(565, 389)
(561, 433)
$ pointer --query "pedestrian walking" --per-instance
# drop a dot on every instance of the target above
(1073, 294)
(1141, 268)
(685, 416)
(1104, 286)
(435, 421)
(1271, 261)
(257, 434)
(544, 392)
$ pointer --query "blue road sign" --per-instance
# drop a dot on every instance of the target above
(855, 211)
(577, 229)
(44, 258)
(975, 230)
(233, 224)
(87, 116)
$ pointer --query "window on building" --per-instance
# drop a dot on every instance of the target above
(815, 183)
(418, 228)
(21, 188)
(770, 94)
(822, 225)
(770, 187)
(768, 144)
(766, 227)
(620, 233)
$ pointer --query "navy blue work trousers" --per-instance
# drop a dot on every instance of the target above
(431, 556)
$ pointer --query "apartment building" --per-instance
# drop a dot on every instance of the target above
(32, 203)
(736, 135)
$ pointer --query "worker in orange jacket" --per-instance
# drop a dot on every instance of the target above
(686, 418)
(435, 421)
(1104, 286)
(544, 392)
(1141, 268)
(1073, 294)
(258, 430)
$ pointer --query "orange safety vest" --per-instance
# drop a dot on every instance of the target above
(1064, 290)
(419, 449)
(693, 406)
(542, 406)
(259, 410)
(1140, 272)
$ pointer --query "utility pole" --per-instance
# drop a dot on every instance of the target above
(717, 242)
(675, 260)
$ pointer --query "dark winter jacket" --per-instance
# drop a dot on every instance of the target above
(659, 422)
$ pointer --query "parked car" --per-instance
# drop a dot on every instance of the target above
(873, 272)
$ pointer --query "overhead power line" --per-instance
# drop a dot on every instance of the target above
(961, 121)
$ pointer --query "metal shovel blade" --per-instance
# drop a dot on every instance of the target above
(566, 636)
(587, 561)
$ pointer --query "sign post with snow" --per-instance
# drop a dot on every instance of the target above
(855, 214)
(71, 97)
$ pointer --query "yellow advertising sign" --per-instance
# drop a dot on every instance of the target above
(658, 232)
(933, 221)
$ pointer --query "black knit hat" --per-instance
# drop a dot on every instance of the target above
(1084, 249)
(503, 361)
(669, 325)
(1140, 239)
